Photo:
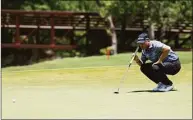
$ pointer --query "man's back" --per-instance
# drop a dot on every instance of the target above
(154, 51)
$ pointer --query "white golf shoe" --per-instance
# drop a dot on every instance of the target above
(166, 88)
(159, 85)
(163, 88)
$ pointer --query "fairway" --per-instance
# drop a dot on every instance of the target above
(75, 88)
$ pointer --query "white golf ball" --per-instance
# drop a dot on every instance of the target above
(13, 100)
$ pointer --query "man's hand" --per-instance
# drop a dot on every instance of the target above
(158, 62)
(137, 60)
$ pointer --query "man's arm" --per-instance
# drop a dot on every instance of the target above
(165, 51)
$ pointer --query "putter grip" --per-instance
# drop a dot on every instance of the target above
(133, 56)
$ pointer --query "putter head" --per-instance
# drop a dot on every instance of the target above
(116, 92)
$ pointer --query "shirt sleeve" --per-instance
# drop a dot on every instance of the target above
(143, 58)
(160, 45)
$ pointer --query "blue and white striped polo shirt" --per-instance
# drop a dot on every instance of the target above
(154, 51)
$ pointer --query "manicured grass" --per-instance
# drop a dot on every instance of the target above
(54, 72)
(120, 59)
(82, 88)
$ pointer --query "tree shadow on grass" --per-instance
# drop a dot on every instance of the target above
(150, 91)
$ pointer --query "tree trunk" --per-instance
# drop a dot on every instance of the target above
(151, 31)
(162, 32)
(150, 20)
(114, 35)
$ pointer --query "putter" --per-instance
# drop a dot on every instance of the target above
(124, 76)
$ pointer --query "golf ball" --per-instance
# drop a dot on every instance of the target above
(13, 100)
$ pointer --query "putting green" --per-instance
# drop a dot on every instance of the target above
(88, 93)
(73, 88)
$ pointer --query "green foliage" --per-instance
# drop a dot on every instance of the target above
(168, 12)
(155, 11)
(35, 5)
(165, 12)
(75, 6)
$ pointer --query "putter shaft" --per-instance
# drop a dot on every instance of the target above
(124, 76)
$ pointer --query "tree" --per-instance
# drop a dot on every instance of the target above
(106, 8)
(167, 13)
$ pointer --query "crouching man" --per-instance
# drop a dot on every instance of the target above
(163, 62)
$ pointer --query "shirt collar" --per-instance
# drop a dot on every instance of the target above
(150, 46)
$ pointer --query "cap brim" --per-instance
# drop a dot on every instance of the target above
(140, 42)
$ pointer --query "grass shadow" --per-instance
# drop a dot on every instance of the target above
(150, 91)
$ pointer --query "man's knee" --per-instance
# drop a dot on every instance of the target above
(144, 68)
(147, 67)
(156, 67)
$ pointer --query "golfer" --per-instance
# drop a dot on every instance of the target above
(163, 62)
